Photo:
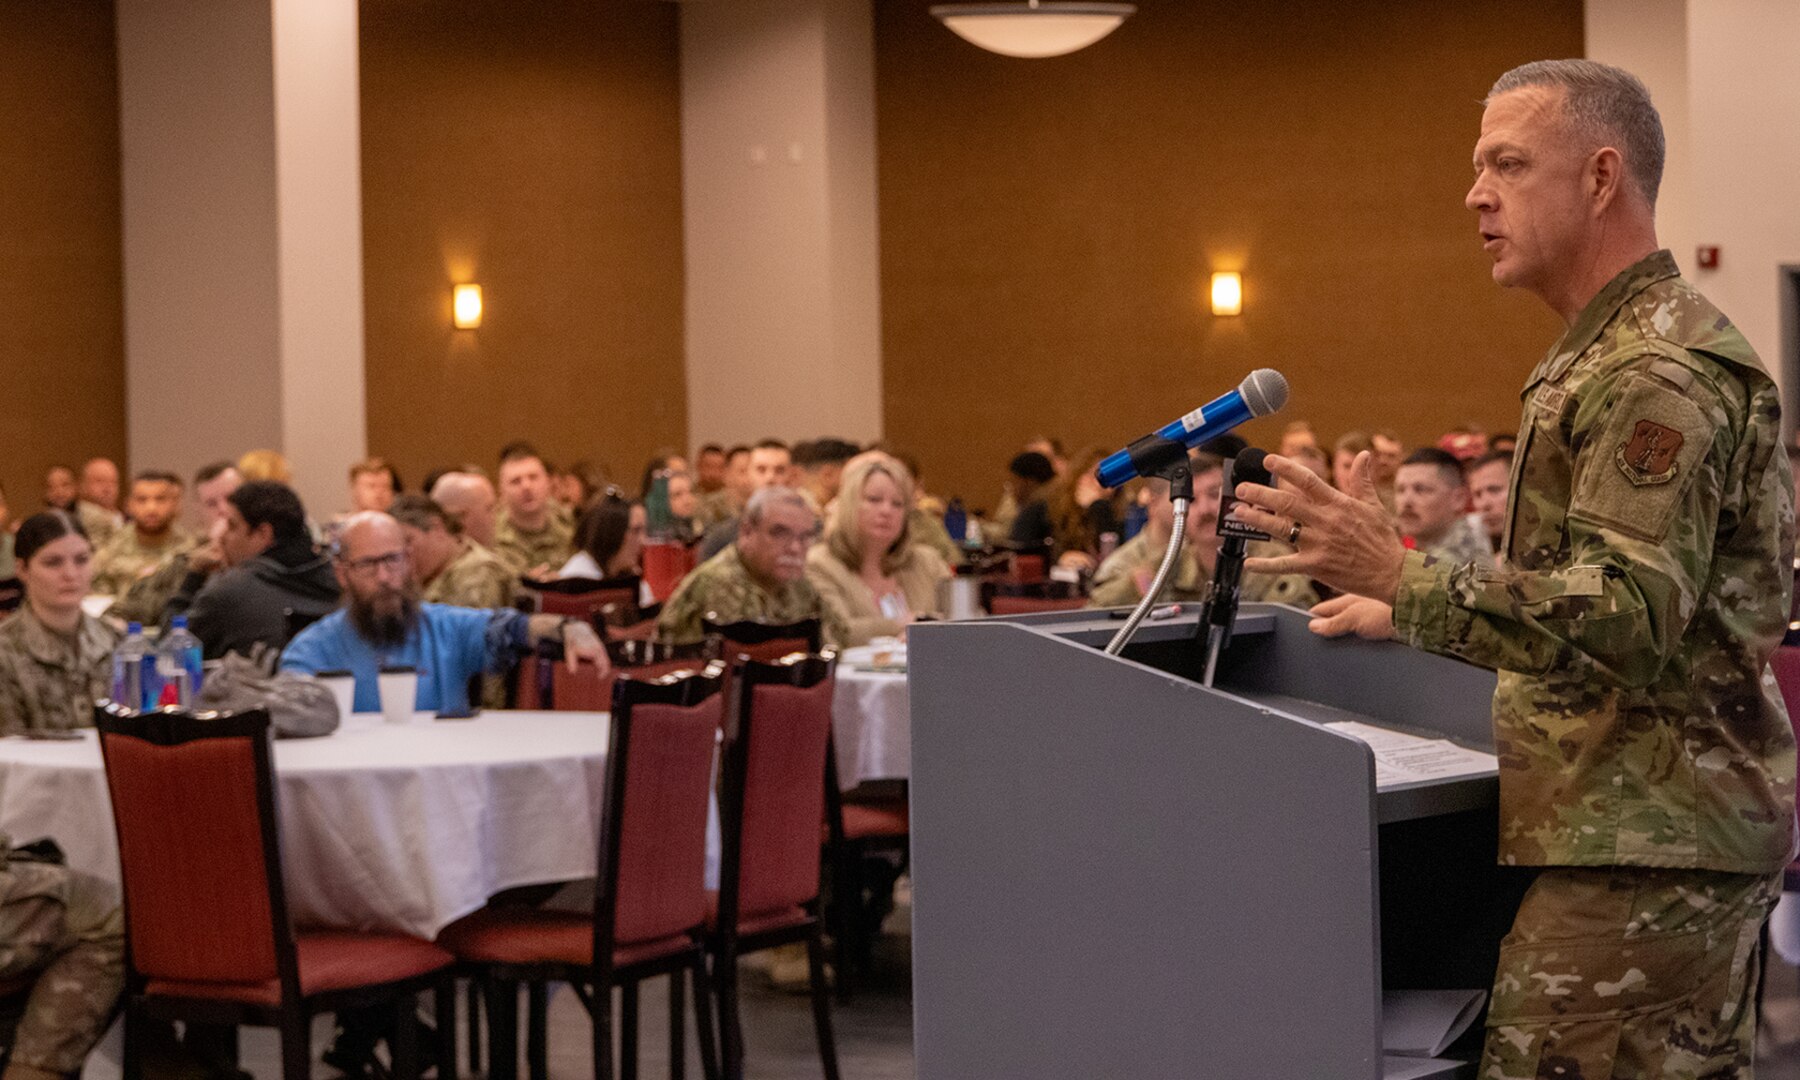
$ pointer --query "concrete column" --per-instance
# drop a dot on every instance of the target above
(242, 211)
(779, 214)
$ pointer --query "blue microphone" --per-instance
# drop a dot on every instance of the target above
(1262, 392)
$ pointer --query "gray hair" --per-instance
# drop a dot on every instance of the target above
(762, 500)
(1602, 106)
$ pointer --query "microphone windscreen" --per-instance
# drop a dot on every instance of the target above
(1248, 467)
(1264, 390)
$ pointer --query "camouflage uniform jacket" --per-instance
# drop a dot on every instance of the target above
(47, 681)
(98, 522)
(549, 546)
(1643, 588)
(721, 588)
(1116, 580)
(1461, 543)
(475, 578)
(125, 558)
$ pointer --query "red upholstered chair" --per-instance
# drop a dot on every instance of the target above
(545, 683)
(651, 903)
(1786, 663)
(1029, 605)
(763, 641)
(665, 564)
(771, 803)
(609, 602)
(864, 831)
(208, 937)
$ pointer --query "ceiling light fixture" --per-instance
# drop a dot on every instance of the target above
(1033, 28)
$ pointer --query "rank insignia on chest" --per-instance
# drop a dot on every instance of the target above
(1648, 457)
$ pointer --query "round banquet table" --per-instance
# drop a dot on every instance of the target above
(871, 714)
(383, 826)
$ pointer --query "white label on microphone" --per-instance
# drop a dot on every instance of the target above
(1194, 419)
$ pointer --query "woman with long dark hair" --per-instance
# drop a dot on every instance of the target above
(55, 659)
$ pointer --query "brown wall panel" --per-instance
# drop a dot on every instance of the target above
(62, 368)
(1048, 227)
(533, 148)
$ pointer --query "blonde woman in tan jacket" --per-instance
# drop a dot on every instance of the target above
(867, 565)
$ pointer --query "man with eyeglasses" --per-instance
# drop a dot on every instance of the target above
(760, 577)
(384, 624)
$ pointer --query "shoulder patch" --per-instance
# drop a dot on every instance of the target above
(1634, 472)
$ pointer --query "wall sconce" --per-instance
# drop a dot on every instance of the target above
(1227, 293)
(1032, 28)
(465, 306)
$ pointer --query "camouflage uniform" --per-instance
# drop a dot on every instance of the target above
(65, 927)
(1461, 543)
(98, 522)
(146, 598)
(722, 588)
(716, 507)
(125, 558)
(526, 551)
(1116, 584)
(1644, 586)
(928, 529)
(47, 681)
(475, 578)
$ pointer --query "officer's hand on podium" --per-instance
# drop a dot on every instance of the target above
(1347, 540)
(1357, 615)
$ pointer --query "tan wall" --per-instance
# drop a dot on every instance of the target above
(62, 368)
(1048, 227)
(533, 148)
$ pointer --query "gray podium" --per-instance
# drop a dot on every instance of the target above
(1118, 872)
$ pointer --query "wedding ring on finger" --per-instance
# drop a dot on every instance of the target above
(1294, 535)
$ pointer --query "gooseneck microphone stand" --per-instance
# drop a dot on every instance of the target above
(1181, 494)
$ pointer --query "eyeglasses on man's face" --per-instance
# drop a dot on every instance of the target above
(375, 565)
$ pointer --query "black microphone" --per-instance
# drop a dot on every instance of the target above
(1228, 573)
(1262, 392)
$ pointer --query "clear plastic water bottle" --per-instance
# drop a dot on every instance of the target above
(132, 661)
(178, 663)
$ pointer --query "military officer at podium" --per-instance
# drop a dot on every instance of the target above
(1646, 760)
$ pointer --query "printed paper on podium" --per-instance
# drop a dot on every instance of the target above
(1401, 758)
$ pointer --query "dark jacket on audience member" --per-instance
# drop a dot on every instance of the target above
(249, 603)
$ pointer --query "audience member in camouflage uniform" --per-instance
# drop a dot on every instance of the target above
(152, 539)
(760, 577)
(449, 567)
(1646, 759)
(727, 502)
(65, 928)
(147, 599)
(1123, 576)
(98, 507)
(55, 659)
(535, 533)
(1430, 497)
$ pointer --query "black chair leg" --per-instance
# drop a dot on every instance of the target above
(503, 1029)
(405, 1040)
(703, 1020)
(731, 1031)
(677, 1025)
(296, 1045)
(821, 1003)
(628, 1030)
(133, 1067)
(846, 909)
(537, 1030)
(476, 984)
(601, 1014)
(444, 1003)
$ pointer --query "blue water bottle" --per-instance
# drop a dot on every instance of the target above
(178, 661)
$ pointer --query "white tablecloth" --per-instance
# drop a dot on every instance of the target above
(404, 827)
(871, 722)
